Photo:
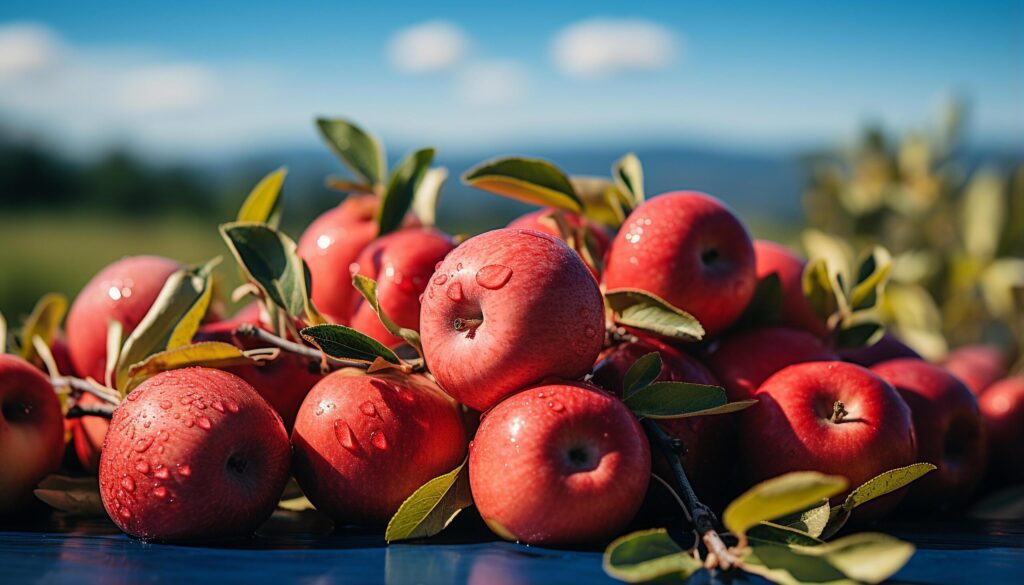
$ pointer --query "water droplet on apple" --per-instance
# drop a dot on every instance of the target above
(217, 405)
(142, 443)
(133, 396)
(454, 291)
(368, 408)
(204, 423)
(458, 266)
(160, 450)
(556, 406)
(128, 484)
(161, 472)
(493, 276)
(345, 436)
(190, 423)
(378, 440)
(438, 265)
(125, 512)
(160, 491)
(165, 404)
(147, 424)
(142, 467)
(540, 395)
(232, 407)
(440, 279)
(184, 470)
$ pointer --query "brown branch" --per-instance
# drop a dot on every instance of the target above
(703, 519)
(101, 410)
(312, 354)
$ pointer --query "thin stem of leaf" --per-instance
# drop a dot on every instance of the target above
(314, 355)
(79, 386)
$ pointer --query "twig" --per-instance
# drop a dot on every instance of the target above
(101, 410)
(79, 386)
(702, 517)
(314, 355)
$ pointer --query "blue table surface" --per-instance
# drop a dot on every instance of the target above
(305, 548)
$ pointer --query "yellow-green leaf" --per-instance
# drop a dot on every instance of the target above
(74, 496)
(812, 521)
(770, 532)
(779, 497)
(781, 564)
(43, 322)
(115, 338)
(432, 507)
(643, 372)
(642, 310)
(368, 288)
(873, 272)
(263, 205)
(3, 333)
(886, 483)
(210, 354)
(648, 555)
(526, 179)
(424, 201)
(356, 148)
(867, 558)
(402, 187)
(629, 176)
(602, 201)
(347, 343)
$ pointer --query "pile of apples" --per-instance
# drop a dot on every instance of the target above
(541, 371)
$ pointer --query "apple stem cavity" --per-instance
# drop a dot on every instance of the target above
(719, 555)
(467, 325)
(839, 412)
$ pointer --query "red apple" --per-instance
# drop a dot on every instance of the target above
(885, 349)
(507, 309)
(541, 221)
(330, 246)
(402, 263)
(773, 258)
(691, 250)
(123, 291)
(31, 431)
(559, 464)
(87, 434)
(830, 417)
(978, 366)
(1002, 405)
(743, 360)
(193, 453)
(950, 431)
(365, 443)
(706, 439)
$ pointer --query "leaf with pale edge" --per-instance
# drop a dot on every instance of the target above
(43, 322)
(346, 343)
(779, 534)
(779, 497)
(872, 274)
(859, 558)
(674, 399)
(3, 333)
(642, 310)
(115, 339)
(209, 354)
(405, 181)
(360, 151)
(531, 180)
(643, 372)
(173, 318)
(74, 496)
(648, 555)
(368, 288)
(628, 174)
(811, 521)
(602, 201)
(424, 201)
(264, 203)
(876, 487)
(432, 507)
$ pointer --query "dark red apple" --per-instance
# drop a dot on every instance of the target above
(950, 431)
(773, 258)
(978, 366)
(507, 309)
(742, 360)
(193, 453)
(365, 443)
(889, 347)
(1002, 405)
(691, 250)
(559, 464)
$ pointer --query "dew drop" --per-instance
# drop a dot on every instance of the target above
(128, 484)
(190, 423)
(161, 472)
(147, 424)
(160, 491)
(556, 406)
(458, 266)
(184, 470)
(125, 512)
(160, 450)
(232, 407)
(217, 405)
(454, 291)
(345, 436)
(142, 443)
(165, 404)
(204, 423)
(133, 396)
(142, 467)
(440, 279)
(540, 395)
(378, 440)
(368, 408)
(493, 276)
(438, 265)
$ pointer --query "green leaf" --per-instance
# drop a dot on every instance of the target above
(782, 564)
(648, 555)
(360, 151)
(811, 521)
(766, 305)
(432, 507)
(526, 179)
(424, 201)
(819, 289)
(866, 558)
(872, 274)
(210, 354)
(264, 204)
(43, 322)
(779, 497)
(674, 399)
(368, 288)
(629, 176)
(859, 329)
(115, 339)
(643, 372)
(642, 310)
(771, 532)
(727, 408)
(3, 333)
(347, 343)
(876, 487)
(602, 201)
(175, 314)
(405, 182)
(270, 261)
(75, 496)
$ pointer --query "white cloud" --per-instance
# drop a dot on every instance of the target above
(166, 88)
(601, 47)
(432, 46)
(26, 49)
(492, 83)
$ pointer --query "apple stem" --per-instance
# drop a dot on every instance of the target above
(101, 410)
(703, 519)
(315, 355)
(469, 325)
(80, 386)
(839, 412)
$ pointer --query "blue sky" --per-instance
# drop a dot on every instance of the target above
(189, 77)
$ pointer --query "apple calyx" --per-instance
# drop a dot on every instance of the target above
(839, 412)
(467, 325)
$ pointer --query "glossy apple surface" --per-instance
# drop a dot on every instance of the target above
(978, 366)
(541, 221)
(773, 258)
(1002, 405)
